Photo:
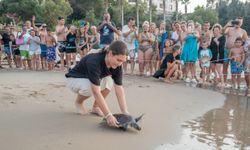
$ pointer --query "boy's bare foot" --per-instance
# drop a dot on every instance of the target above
(80, 109)
(97, 111)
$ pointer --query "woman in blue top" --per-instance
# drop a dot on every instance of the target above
(190, 51)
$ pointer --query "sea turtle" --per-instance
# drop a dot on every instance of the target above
(126, 121)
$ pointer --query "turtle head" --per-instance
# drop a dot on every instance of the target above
(135, 126)
(139, 118)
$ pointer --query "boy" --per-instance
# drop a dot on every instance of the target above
(205, 56)
(34, 49)
(51, 51)
(237, 58)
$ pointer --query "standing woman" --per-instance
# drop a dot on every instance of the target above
(154, 59)
(94, 38)
(71, 46)
(190, 51)
(82, 39)
(146, 40)
(217, 47)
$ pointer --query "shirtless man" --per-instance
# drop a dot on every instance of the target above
(61, 32)
(43, 33)
(51, 51)
(232, 31)
(237, 58)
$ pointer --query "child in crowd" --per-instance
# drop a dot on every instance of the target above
(237, 58)
(205, 56)
(51, 51)
(167, 48)
(34, 49)
(16, 51)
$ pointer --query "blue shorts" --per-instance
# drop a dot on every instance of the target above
(51, 54)
(7, 50)
(235, 69)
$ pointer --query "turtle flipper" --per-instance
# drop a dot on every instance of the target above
(135, 126)
(139, 118)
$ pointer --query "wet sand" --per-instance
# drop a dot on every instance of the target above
(223, 128)
(37, 112)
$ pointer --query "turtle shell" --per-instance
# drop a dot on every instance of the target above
(126, 121)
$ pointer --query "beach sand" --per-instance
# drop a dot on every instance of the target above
(37, 112)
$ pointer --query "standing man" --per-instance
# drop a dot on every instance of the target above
(107, 29)
(61, 32)
(129, 34)
(232, 31)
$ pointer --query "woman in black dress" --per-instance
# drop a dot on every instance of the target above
(217, 47)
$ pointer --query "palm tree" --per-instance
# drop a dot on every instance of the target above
(164, 10)
(186, 3)
(137, 13)
(106, 5)
(176, 8)
(121, 3)
(150, 10)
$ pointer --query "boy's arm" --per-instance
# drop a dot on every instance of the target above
(243, 56)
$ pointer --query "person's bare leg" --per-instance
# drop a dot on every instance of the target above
(247, 80)
(169, 73)
(62, 60)
(132, 63)
(96, 109)
(124, 66)
(238, 80)
(148, 57)
(225, 72)
(29, 64)
(141, 62)
(80, 108)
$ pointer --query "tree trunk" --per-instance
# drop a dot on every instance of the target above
(185, 8)
(176, 9)
(106, 5)
(150, 11)
(164, 10)
(122, 12)
(137, 14)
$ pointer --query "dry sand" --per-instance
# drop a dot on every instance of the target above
(37, 113)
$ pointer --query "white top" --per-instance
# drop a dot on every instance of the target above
(34, 43)
(130, 39)
(25, 46)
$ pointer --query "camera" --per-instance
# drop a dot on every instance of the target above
(235, 22)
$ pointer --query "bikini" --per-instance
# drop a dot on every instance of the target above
(144, 48)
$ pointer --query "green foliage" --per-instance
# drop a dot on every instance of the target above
(202, 14)
(233, 9)
(45, 10)
(51, 9)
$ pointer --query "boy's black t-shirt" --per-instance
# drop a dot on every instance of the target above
(6, 39)
(93, 67)
(168, 59)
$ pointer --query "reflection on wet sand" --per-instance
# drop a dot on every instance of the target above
(226, 128)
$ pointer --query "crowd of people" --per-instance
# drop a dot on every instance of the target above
(172, 54)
